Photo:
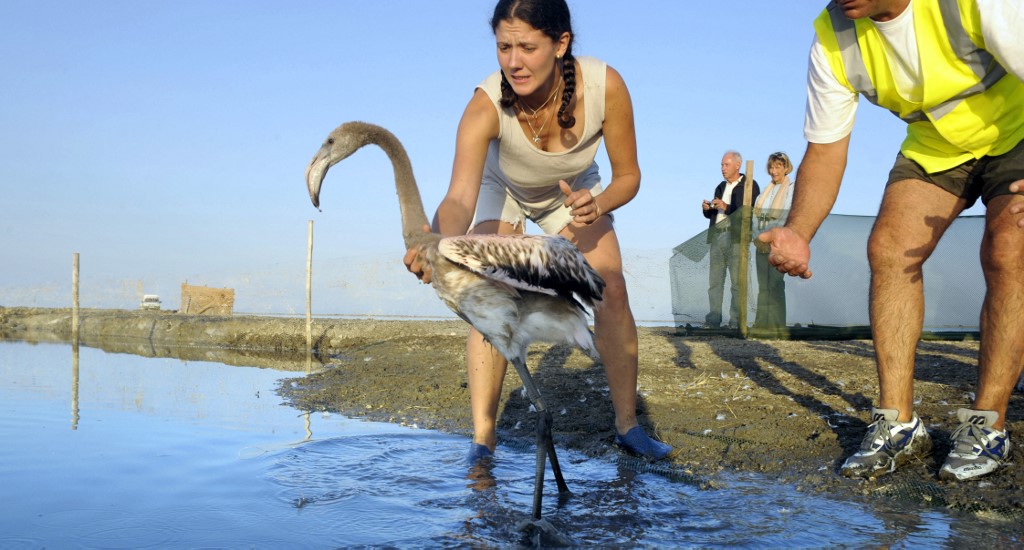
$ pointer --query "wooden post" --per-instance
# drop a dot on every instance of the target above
(74, 299)
(743, 247)
(309, 296)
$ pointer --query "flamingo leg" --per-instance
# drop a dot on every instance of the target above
(563, 488)
(545, 443)
(538, 482)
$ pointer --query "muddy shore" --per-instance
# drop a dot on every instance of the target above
(790, 409)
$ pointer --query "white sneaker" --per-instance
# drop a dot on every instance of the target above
(978, 449)
(888, 445)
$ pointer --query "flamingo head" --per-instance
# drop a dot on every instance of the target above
(338, 146)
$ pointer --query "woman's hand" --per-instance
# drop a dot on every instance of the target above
(585, 209)
(416, 264)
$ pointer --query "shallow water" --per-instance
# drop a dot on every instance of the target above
(132, 452)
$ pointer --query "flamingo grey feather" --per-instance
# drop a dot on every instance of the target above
(514, 289)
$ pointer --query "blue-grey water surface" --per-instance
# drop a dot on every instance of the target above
(138, 452)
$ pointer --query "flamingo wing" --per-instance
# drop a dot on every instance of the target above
(540, 263)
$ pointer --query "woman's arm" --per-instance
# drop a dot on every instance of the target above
(621, 142)
(479, 125)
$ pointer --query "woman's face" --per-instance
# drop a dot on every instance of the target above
(777, 171)
(528, 57)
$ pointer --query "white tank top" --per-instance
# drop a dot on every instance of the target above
(530, 174)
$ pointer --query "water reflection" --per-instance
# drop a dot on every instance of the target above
(481, 475)
(283, 360)
(74, 384)
(277, 360)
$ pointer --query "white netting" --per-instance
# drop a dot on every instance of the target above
(837, 294)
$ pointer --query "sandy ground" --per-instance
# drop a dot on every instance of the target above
(790, 409)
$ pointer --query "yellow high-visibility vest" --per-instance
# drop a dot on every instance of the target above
(970, 107)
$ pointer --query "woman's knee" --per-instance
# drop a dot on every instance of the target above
(615, 295)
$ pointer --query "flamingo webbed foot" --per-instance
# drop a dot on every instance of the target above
(540, 533)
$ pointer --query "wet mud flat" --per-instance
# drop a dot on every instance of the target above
(790, 409)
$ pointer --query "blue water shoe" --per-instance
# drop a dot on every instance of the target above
(477, 452)
(637, 442)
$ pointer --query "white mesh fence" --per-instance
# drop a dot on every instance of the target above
(837, 294)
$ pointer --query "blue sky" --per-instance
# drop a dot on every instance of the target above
(172, 137)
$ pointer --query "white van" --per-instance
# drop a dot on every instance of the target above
(150, 301)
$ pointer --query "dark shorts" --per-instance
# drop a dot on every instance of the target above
(986, 177)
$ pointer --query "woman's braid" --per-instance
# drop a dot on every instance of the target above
(566, 120)
(508, 97)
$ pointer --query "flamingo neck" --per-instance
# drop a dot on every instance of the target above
(409, 201)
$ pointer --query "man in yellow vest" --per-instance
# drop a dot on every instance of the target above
(951, 69)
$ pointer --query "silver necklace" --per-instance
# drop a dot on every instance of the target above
(542, 105)
(536, 131)
(523, 106)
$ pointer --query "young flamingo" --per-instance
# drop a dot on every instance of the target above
(514, 289)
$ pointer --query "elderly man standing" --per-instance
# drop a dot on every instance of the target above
(724, 238)
(952, 70)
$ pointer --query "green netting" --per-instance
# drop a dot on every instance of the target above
(834, 302)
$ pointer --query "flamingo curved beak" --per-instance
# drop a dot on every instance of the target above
(315, 173)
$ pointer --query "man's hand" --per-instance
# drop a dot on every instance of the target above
(1017, 208)
(789, 252)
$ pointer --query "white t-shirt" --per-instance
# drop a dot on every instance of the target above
(832, 108)
(727, 197)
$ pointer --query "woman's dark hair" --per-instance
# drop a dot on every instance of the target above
(552, 18)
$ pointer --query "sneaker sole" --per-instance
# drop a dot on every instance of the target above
(948, 474)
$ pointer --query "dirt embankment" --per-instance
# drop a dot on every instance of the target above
(792, 409)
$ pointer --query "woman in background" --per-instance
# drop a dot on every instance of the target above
(770, 210)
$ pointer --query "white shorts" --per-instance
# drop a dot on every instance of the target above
(497, 203)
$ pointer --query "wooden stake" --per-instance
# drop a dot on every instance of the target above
(743, 247)
(74, 299)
